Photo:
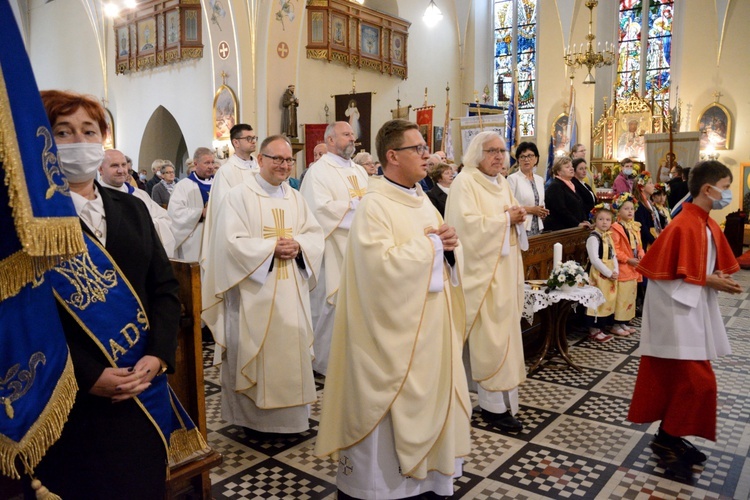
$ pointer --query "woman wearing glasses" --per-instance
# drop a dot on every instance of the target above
(528, 187)
(489, 223)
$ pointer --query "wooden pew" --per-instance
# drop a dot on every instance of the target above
(537, 261)
(191, 480)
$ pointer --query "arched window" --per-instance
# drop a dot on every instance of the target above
(644, 62)
(515, 50)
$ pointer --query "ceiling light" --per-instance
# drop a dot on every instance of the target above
(432, 15)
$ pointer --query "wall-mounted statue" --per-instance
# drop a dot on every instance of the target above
(289, 120)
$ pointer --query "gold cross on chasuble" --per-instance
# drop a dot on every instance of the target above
(279, 231)
(355, 191)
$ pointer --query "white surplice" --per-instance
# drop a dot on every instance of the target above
(186, 209)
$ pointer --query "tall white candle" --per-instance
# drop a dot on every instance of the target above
(556, 254)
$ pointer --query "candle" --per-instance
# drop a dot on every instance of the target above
(556, 254)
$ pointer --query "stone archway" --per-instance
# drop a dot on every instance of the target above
(162, 139)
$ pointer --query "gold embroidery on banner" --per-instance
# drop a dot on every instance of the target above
(116, 350)
(19, 381)
(51, 166)
(355, 191)
(140, 317)
(91, 285)
(279, 231)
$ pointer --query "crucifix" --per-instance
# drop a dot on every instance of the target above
(279, 231)
(223, 77)
(326, 109)
(717, 95)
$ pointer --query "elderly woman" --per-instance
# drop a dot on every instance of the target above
(528, 187)
(162, 191)
(489, 223)
(442, 175)
(565, 205)
(580, 175)
(365, 161)
(113, 445)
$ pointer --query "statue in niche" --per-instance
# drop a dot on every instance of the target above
(289, 119)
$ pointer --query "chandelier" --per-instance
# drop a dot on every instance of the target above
(584, 55)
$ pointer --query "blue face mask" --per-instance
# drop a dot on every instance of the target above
(726, 198)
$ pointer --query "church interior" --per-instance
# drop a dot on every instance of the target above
(175, 75)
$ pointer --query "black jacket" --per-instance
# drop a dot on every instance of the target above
(565, 207)
(438, 197)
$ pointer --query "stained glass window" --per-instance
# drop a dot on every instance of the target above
(645, 49)
(515, 49)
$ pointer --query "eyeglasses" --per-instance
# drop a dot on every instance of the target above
(495, 151)
(421, 149)
(278, 160)
(526, 157)
(248, 138)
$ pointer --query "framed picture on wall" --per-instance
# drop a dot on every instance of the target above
(356, 110)
(715, 126)
(123, 42)
(109, 140)
(146, 35)
(225, 112)
(338, 30)
(370, 40)
(559, 132)
(317, 27)
(173, 27)
(745, 186)
(398, 47)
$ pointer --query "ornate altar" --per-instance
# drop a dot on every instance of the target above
(349, 33)
(156, 33)
(620, 133)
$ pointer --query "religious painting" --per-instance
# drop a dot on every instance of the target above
(316, 27)
(559, 132)
(630, 132)
(314, 133)
(745, 187)
(123, 42)
(146, 35)
(173, 27)
(191, 25)
(437, 138)
(370, 40)
(356, 109)
(715, 126)
(398, 47)
(225, 112)
(109, 139)
(338, 30)
(424, 120)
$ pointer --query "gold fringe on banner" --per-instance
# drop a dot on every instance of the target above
(186, 445)
(43, 237)
(45, 431)
(20, 269)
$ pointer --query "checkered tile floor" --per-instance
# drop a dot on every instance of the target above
(576, 442)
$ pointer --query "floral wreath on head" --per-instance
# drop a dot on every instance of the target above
(662, 188)
(643, 178)
(598, 208)
(622, 199)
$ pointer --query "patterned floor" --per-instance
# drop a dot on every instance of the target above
(576, 442)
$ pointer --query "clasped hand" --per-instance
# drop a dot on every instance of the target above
(119, 384)
(517, 214)
(723, 283)
(286, 249)
(447, 235)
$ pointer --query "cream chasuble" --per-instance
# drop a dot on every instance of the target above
(159, 216)
(492, 282)
(273, 362)
(396, 347)
(232, 173)
(185, 209)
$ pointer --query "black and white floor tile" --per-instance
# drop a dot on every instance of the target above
(576, 443)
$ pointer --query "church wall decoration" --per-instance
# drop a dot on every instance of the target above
(424, 120)
(437, 138)
(745, 186)
(356, 109)
(683, 145)
(715, 127)
(354, 35)
(313, 136)
(559, 133)
(109, 140)
(157, 33)
(225, 112)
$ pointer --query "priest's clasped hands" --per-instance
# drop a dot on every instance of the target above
(517, 214)
(447, 235)
(286, 249)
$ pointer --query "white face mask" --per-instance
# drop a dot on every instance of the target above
(79, 161)
(627, 171)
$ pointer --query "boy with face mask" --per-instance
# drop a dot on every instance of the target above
(682, 325)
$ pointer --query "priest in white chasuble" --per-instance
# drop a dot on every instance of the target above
(260, 264)
(187, 206)
(396, 410)
(240, 166)
(333, 187)
(113, 174)
(489, 223)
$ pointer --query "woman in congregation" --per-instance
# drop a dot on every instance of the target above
(442, 175)
(365, 160)
(563, 202)
(646, 212)
(528, 187)
(588, 196)
(163, 190)
(115, 442)
(489, 223)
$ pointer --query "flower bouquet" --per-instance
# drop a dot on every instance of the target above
(567, 275)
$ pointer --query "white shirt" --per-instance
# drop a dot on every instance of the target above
(92, 213)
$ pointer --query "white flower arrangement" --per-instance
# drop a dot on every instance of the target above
(569, 273)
